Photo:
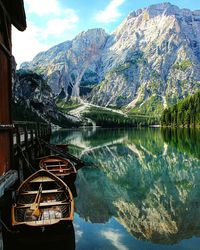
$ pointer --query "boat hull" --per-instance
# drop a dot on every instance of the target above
(61, 167)
(55, 205)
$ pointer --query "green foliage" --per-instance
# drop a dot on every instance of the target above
(35, 79)
(155, 74)
(136, 58)
(185, 113)
(65, 107)
(183, 65)
(106, 118)
(120, 68)
(40, 69)
(152, 105)
(20, 112)
(184, 139)
(64, 122)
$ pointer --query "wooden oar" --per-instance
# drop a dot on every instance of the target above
(36, 203)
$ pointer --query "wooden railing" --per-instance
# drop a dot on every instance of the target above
(25, 134)
(26, 146)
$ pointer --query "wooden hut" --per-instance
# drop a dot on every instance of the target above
(11, 13)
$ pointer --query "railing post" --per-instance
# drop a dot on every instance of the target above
(18, 137)
(25, 136)
(31, 136)
(27, 145)
(18, 149)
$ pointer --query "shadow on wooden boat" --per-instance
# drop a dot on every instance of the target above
(60, 237)
(42, 200)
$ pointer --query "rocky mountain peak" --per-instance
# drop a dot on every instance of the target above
(91, 36)
(88, 43)
(151, 60)
(155, 10)
(166, 9)
(162, 9)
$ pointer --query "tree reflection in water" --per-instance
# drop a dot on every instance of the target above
(147, 179)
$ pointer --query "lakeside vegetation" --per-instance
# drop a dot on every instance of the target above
(185, 113)
(20, 112)
(184, 139)
(108, 118)
(64, 106)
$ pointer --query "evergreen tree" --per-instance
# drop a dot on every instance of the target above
(185, 113)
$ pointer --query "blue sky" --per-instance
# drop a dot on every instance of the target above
(54, 21)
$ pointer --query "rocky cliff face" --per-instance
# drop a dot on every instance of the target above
(33, 100)
(72, 65)
(149, 61)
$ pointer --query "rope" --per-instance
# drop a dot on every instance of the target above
(8, 229)
(32, 169)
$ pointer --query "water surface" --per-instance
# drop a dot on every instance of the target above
(141, 189)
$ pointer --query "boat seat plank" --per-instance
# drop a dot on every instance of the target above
(53, 160)
(43, 192)
(58, 170)
(46, 204)
(55, 165)
(42, 179)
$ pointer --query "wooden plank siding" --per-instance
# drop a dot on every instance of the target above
(5, 95)
(11, 12)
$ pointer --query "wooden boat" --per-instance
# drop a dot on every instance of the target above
(59, 166)
(43, 199)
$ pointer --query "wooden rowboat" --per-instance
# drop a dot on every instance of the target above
(59, 166)
(43, 199)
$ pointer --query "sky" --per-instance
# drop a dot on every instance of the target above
(50, 22)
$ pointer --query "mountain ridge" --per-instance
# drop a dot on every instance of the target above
(149, 62)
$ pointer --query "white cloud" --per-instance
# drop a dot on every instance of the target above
(28, 43)
(42, 7)
(39, 38)
(111, 12)
(58, 26)
(79, 233)
(114, 237)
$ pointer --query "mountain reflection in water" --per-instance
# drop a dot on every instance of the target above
(148, 180)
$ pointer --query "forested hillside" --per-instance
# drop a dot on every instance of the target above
(107, 118)
(185, 113)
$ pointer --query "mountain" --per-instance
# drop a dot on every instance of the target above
(151, 60)
(33, 100)
(72, 63)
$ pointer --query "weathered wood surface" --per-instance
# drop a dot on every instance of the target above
(27, 133)
(7, 180)
(11, 12)
(25, 138)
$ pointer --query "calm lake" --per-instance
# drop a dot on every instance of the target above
(141, 189)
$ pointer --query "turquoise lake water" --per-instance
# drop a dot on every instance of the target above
(140, 190)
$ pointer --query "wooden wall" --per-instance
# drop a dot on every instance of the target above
(5, 93)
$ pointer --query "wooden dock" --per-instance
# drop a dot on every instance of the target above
(25, 148)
